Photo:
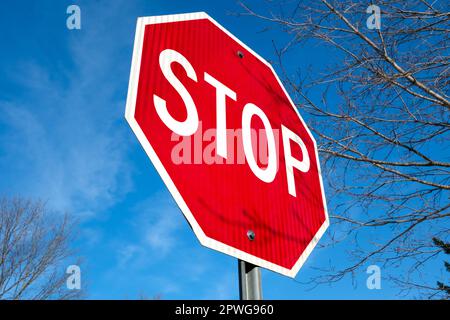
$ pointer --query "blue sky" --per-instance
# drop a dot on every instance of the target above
(64, 139)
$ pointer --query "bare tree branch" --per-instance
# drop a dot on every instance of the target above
(379, 107)
(34, 251)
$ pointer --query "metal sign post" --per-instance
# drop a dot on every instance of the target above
(249, 281)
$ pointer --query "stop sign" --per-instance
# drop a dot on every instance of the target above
(223, 134)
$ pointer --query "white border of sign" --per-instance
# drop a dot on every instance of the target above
(129, 115)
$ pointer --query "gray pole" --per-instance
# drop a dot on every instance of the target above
(249, 281)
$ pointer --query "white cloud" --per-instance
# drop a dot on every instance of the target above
(159, 222)
(64, 139)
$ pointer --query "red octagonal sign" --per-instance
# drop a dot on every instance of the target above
(227, 140)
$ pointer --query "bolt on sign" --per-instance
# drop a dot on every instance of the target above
(227, 140)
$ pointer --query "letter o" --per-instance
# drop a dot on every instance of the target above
(268, 174)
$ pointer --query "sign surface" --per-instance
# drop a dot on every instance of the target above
(228, 142)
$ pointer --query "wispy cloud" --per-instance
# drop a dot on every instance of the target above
(156, 222)
(163, 222)
(63, 139)
(161, 250)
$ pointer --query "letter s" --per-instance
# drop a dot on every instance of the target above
(190, 125)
